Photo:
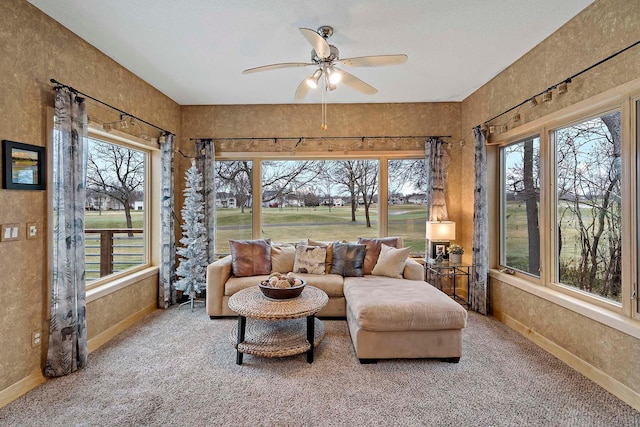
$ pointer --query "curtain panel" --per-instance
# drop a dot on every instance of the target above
(205, 162)
(437, 162)
(67, 351)
(480, 240)
(167, 291)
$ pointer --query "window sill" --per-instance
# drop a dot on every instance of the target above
(122, 282)
(609, 318)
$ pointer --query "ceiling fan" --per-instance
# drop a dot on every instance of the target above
(324, 57)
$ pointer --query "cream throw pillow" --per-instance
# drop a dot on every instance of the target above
(391, 262)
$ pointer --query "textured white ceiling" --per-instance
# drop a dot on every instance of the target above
(194, 51)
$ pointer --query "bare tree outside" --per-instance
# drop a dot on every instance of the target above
(589, 206)
(521, 236)
(116, 172)
(234, 177)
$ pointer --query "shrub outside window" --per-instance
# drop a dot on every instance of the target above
(588, 206)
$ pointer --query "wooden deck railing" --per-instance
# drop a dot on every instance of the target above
(110, 250)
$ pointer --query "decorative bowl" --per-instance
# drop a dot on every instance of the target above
(282, 293)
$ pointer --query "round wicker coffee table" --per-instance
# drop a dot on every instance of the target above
(278, 327)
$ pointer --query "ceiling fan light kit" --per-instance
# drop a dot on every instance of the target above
(325, 56)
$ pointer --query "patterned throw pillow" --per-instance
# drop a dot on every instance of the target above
(309, 259)
(391, 262)
(348, 259)
(373, 250)
(250, 257)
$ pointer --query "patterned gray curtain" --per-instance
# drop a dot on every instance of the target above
(167, 291)
(67, 322)
(205, 161)
(480, 226)
(437, 161)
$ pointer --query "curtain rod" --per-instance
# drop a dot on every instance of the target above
(567, 80)
(292, 138)
(58, 84)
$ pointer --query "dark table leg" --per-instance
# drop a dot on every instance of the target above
(310, 335)
(242, 323)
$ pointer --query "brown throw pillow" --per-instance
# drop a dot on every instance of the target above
(373, 250)
(250, 257)
(348, 259)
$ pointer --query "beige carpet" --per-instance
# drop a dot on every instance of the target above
(177, 367)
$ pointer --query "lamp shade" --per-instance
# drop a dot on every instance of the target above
(441, 230)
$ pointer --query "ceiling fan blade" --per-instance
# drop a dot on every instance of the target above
(276, 66)
(375, 60)
(303, 89)
(318, 42)
(355, 83)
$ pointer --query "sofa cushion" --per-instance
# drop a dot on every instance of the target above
(310, 259)
(381, 303)
(332, 284)
(235, 284)
(282, 258)
(373, 250)
(391, 262)
(250, 257)
(348, 259)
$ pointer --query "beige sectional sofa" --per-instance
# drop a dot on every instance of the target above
(388, 317)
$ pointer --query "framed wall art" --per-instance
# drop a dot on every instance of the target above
(23, 166)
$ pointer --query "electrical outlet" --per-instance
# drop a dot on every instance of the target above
(32, 230)
(36, 338)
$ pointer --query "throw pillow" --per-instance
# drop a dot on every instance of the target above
(329, 245)
(391, 262)
(373, 250)
(348, 259)
(309, 259)
(250, 257)
(282, 258)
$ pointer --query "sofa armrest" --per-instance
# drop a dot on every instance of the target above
(413, 270)
(218, 273)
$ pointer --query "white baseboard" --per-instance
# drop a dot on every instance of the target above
(107, 335)
(36, 378)
(613, 386)
(23, 386)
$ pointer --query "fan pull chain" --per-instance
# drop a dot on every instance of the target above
(324, 126)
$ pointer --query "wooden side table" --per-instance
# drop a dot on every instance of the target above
(436, 272)
(278, 328)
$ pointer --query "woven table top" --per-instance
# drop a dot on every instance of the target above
(252, 303)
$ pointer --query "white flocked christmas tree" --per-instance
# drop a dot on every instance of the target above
(193, 253)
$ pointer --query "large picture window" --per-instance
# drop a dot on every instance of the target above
(589, 206)
(115, 211)
(520, 204)
(324, 200)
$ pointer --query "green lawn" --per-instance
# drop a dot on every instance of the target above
(292, 224)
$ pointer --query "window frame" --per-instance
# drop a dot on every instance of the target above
(623, 317)
(129, 141)
(381, 156)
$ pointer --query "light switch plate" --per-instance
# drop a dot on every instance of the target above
(32, 230)
(10, 232)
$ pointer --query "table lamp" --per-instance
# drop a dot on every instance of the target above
(439, 234)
